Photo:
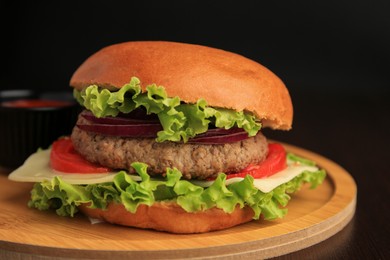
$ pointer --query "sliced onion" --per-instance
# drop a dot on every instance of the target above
(119, 120)
(135, 130)
(220, 131)
(139, 113)
(140, 125)
(220, 139)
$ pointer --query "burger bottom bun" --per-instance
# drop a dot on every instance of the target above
(170, 217)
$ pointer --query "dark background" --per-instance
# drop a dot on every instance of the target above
(333, 56)
(316, 45)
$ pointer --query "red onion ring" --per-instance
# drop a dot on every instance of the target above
(139, 130)
(221, 139)
(118, 120)
(148, 127)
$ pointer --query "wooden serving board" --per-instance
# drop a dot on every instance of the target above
(313, 216)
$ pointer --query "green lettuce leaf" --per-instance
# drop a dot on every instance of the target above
(179, 121)
(64, 198)
(57, 194)
(295, 158)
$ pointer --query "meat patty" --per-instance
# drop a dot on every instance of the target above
(195, 161)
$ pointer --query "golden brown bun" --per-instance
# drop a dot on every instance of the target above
(170, 217)
(222, 78)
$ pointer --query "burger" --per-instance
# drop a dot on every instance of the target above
(170, 139)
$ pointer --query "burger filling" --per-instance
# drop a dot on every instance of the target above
(178, 121)
(194, 160)
(128, 126)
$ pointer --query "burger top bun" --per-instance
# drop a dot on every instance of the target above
(222, 78)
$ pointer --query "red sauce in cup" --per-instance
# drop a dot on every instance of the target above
(31, 103)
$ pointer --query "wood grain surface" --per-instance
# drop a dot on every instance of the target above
(313, 216)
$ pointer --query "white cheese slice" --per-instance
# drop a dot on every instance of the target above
(269, 183)
(36, 169)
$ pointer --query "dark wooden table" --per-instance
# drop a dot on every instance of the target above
(352, 130)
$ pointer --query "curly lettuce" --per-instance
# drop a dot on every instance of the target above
(180, 121)
(64, 198)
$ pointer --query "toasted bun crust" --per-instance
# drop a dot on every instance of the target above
(222, 78)
(170, 217)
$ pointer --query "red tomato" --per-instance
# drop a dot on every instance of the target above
(275, 162)
(64, 158)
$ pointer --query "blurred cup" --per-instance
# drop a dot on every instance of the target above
(30, 120)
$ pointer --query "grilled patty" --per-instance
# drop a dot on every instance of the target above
(195, 161)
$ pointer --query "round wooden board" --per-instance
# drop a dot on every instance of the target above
(313, 216)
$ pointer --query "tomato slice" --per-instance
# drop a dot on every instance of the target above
(64, 158)
(273, 163)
